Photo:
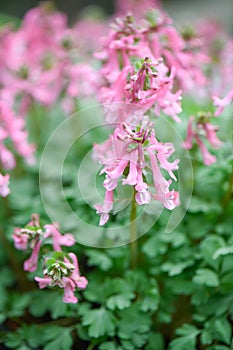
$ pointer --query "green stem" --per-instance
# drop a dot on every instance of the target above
(133, 234)
(227, 198)
(91, 346)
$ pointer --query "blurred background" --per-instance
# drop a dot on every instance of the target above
(181, 11)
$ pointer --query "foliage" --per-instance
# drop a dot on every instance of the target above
(179, 294)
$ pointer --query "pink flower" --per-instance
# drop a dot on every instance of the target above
(57, 238)
(211, 135)
(29, 235)
(4, 185)
(80, 281)
(20, 239)
(43, 282)
(208, 158)
(64, 274)
(143, 196)
(69, 289)
(143, 88)
(222, 103)
(199, 129)
(31, 263)
(14, 130)
(188, 143)
(127, 151)
(171, 200)
(103, 210)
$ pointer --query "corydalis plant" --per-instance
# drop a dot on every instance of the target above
(33, 236)
(62, 270)
(154, 37)
(135, 151)
(144, 85)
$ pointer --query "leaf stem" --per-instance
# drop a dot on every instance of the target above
(133, 234)
(227, 197)
(91, 346)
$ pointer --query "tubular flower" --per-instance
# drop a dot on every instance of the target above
(63, 271)
(144, 85)
(12, 127)
(33, 235)
(167, 59)
(129, 155)
(58, 239)
(28, 236)
(222, 103)
(199, 129)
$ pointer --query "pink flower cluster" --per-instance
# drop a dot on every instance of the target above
(135, 151)
(39, 59)
(154, 37)
(40, 62)
(32, 237)
(197, 129)
(12, 127)
(218, 46)
(64, 274)
(148, 84)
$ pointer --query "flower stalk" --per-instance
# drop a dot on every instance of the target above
(133, 234)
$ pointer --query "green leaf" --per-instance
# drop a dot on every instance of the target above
(6, 276)
(47, 301)
(151, 301)
(175, 269)
(208, 248)
(180, 285)
(206, 337)
(132, 320)
(226, 264)
(13, 340)
(154, 247)
(218, 347)
(100, 321)
(139, 339)
(108, 345)
(97, 258)
(18, 304)
(177, 239)
(120, 301)
(59, 338)
(31, 334)
(127, 345)
(223, 329)
(187, 339)
(155, 338)
(223, 251)
(227, 283)
(206, 277)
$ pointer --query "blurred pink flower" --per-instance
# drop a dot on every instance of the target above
(31, 263)
(58, 239)
(202, 129)
(222, 103)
